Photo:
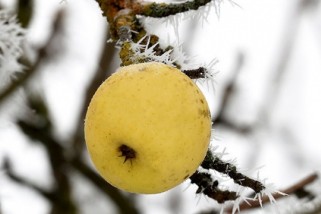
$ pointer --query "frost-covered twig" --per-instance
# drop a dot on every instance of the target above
(12, 39)
(210, 188)
(209, 185)
(136, 45)
(159, 10)
(277, 194)
(213, 162)
(31, 68)
(12, 36)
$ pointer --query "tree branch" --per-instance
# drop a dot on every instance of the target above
(210, 188)
(8, 170)
(159, 10)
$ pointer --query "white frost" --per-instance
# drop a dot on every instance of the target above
(149, 53)
(11, 39)
(12, 36)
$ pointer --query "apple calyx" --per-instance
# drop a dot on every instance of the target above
(127, 152)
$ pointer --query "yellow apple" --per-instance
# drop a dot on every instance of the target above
(147, 128)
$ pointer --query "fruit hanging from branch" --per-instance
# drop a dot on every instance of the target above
(147, 128)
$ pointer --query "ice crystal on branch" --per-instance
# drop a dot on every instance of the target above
(235, 189)
(11, 39)
(12, 36)
(147, 52)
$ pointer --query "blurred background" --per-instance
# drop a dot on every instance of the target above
(265, 102)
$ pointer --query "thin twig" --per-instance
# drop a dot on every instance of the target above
(39, 128)
(228, 95)
(9, 172)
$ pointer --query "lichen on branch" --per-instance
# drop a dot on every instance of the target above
(159, 10)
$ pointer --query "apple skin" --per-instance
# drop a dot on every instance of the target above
(147, 128)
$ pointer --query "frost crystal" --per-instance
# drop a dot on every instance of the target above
(142, 51)
(11, 38)
(208, 79)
